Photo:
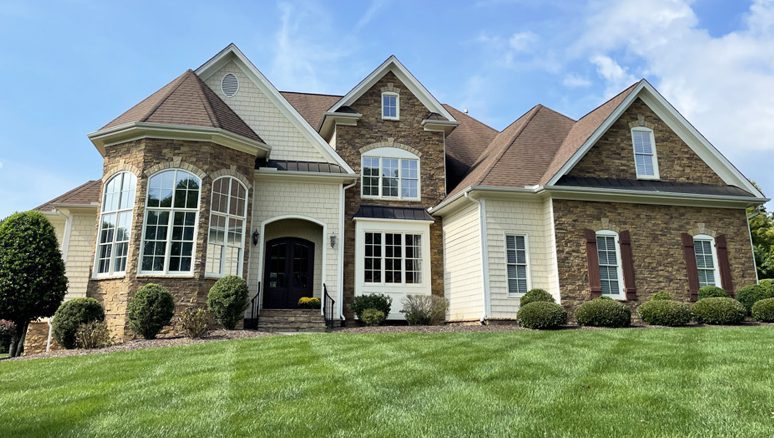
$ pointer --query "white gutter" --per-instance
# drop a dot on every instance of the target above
(486, 310)
(340, 263)
(657, 194)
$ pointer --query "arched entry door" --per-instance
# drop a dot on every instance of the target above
(288, 272)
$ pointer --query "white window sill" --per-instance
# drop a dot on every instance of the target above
(649, 177)
(615, 297)
(391, 119)
(515, 295)
(390, 198)
(108, 276)
(165, 275)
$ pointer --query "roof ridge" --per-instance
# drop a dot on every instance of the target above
(470, 117)
(204, 99)
(481, 157)
(312, 94)
(532, 112)
(177, 82)
(558, 113)
(608, 100)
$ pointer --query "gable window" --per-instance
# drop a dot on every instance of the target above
(390, 106)
(393, 258)
(390, 173)
(706, 260)
(225, 242)
(115, 224)
(645, 159)
(610, 271)
(171, 215)
(517, 265)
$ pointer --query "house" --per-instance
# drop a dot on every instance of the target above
(386, 190)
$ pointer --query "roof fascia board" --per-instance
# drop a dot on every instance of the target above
(211, 66)
(271, 173)
(374, 219)
(664, 198)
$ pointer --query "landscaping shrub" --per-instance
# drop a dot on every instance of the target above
(763, 310)
(94, 334)
(536, 295)
(603, 312)
(719, 310)
(7, 331)
(712, 292)
(751, 294)
(663, 295)
(309, 303)
(665, 312)
(372, 301)
(768, 284)
(70, 315)
(227, 300)
(194, 322)
(541, 315)
(424, 309)
(373, 317)
(150, 310)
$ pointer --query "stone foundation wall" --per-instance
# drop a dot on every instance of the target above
(37, 337)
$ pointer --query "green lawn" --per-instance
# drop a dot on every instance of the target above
(697, 382)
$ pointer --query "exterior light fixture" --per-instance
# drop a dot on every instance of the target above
(333, 240)
(256, 236)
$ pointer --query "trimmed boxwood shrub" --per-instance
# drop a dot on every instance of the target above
(712, 292)
(373, 317)
(541, 315)
(665, 312)
(150, 310)
(70, 315)
(536, 295)
(719, 311)
(371, 301)
(603, 312)
(227, 300)
(768, 284)
(763, 310)
(663, 295)
(751, 294)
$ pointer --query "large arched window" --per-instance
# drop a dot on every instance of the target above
(115, 224)
(390, 173)
(226, 237)
(171, 215)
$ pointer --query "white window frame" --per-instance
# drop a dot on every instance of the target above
(170, 224)
(112, 273)
(383, 257)
(391, 154)
(716, 268)
(654, 157)
(619, 269)
(397, 105)
(227, 217)
(527, 264)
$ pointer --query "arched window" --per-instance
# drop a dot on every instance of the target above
(171, 215)
(706, 260)
(226, 237)
(390, 173)
(115, 224)
(610, 266)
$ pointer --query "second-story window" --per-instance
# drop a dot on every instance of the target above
(390, 106)
(390, 173)
(645, 159)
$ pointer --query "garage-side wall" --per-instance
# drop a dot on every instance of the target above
(463, 278)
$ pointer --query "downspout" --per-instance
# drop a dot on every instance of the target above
(752, 247)
(340, 263)
(486, 310)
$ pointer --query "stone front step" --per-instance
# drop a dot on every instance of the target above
(291, 320)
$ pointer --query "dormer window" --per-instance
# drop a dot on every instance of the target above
(645, 159)
(390, 173)
(390, 106)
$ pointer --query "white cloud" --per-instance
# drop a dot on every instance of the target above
(369, 14)
(523, 50)
(573, 80)
(522, 41)
(616, 77)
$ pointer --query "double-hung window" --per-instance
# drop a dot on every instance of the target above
(706, 260)
(393, 258)
(115, 224)
(390, 173)
(226, 237)
(171, 217)
(517, 264)
(645, 159)
(610, 267)
(390, 106)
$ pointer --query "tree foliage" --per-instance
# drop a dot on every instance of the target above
(762, 232)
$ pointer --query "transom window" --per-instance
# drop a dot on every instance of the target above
(390, 106)
(172, 209)
(393, 258)
(225, 243)
(516, 261)
(706, 260)
(645, 160)
(390, 173)
(610, 273)
(115, 224)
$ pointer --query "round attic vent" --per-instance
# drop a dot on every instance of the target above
(229, 85)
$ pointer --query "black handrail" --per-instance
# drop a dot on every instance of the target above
(328, 305)
(254, 304)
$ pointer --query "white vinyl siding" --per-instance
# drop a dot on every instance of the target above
(463, 280)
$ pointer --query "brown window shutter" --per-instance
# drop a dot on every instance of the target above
(627, 260)
(592, 258)
(721, 248)
(690, 265)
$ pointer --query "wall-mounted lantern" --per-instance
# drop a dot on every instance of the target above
(256, 236)
(333, 240)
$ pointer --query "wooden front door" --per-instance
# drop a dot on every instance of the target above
(288, 272)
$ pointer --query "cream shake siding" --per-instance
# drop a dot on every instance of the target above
(265, 117)
(58, 222)
(516, 217)
(80, 253)
(463, 277)
(277, 198)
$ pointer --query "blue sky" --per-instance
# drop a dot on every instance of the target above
(71, 66)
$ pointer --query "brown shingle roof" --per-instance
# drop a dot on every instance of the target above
(85, 194)
(311, 106)
(187, 100)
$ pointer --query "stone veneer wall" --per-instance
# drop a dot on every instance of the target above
(656, 245)
(408, 131)
(143, 158)
(613, 155)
